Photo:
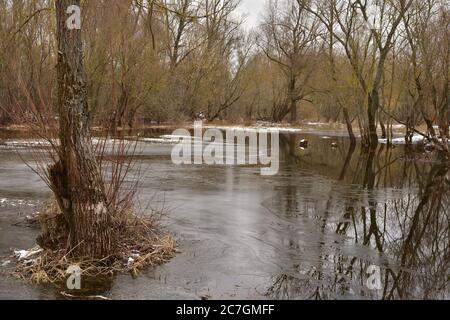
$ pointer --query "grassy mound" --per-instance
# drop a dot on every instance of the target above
(140, 243)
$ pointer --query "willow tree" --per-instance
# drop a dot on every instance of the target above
(76, 178)
(289, 38)
(427, 30)
(367, 31)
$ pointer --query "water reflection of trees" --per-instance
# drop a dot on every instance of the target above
(406, 234)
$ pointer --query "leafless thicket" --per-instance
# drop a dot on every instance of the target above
(92, 221)
(372, 63)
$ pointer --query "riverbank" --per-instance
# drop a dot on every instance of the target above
(223, 125)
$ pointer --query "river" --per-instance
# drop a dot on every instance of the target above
(335, 223)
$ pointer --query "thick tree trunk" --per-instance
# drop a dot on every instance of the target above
(76, 178)
(374, 100)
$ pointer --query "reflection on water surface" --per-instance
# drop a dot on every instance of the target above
(311, 232)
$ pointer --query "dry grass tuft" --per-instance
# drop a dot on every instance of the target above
(140, 244)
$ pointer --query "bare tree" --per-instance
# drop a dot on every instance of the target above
(366, 30)
(179, 18)
(290, 39)
(76, 179)
(428, 35)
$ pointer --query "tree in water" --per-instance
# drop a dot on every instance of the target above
(76, 179)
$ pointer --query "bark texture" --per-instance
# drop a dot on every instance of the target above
(76, 179)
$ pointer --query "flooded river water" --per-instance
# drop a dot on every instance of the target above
(335, 223)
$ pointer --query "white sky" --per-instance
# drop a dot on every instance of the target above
(252, 8)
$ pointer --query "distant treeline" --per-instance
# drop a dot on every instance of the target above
(367, 62)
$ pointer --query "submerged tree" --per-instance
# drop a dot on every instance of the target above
(427, 29)
(76, 179)
(366, 31)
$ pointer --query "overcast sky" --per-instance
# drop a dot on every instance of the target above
(252, 8)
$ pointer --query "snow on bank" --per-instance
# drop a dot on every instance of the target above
(269, 128)
(168, 139)
(255, 128)
(27, 254)
(415, 140)
(41, 143)
(26, 143)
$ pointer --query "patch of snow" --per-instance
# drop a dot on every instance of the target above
(108, 141)
(27, 254)
(163, 139)
(316, 123)
(415, 139)
(135, 254)
(5, 263)
(255, 128)
(437, 127)
(130, 262)
(171, 137)
(155, 140)
(28, 143)
(17, 202)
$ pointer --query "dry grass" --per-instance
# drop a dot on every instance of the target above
(140, 244)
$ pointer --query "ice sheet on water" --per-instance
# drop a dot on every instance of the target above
(17, 202)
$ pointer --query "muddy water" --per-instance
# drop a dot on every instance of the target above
(311, 232)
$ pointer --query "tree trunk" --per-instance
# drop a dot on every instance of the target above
(372, 120)
(348, 122)
(293, 112)
(293, 99)
(374, 100)
(383, 128)
(76, 179)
